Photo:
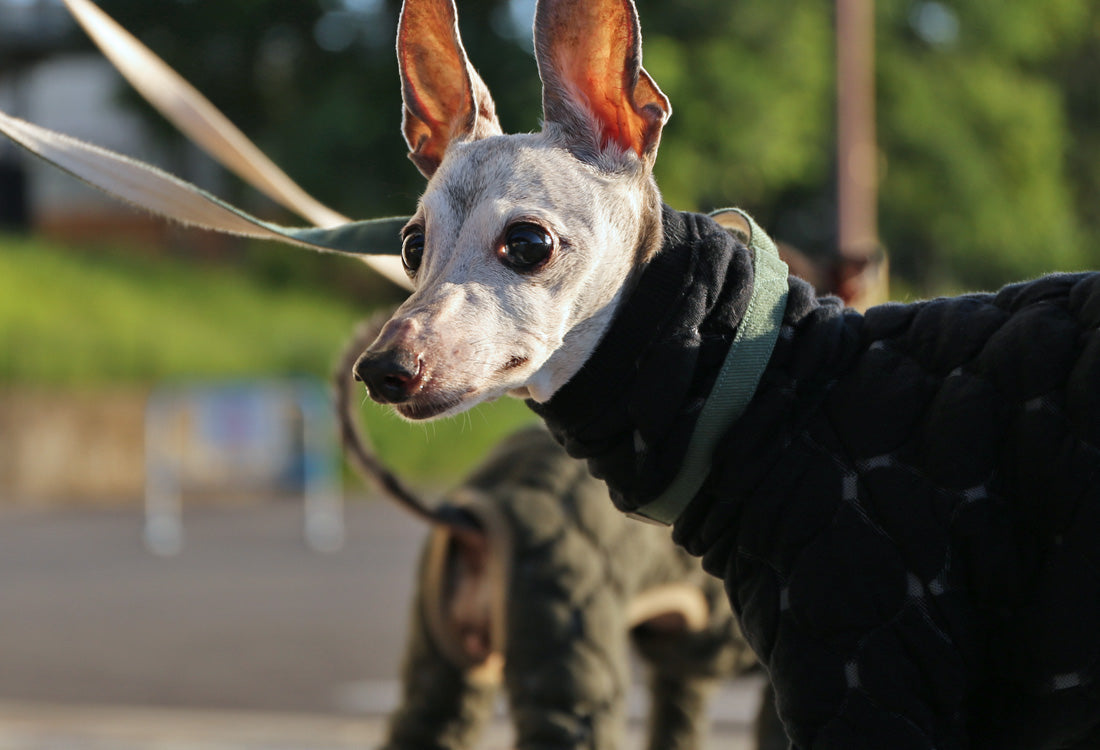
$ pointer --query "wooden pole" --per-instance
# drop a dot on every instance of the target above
(857, 152)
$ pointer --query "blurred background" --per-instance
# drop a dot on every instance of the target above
(973, 147)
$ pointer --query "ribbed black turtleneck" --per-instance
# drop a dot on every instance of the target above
(631, 409)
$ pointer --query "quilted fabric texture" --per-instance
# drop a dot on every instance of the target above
(907, 517)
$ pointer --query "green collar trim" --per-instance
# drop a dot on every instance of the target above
(737, 380)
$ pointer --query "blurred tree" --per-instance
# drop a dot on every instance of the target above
(988, 114)
(742, 77)
(1077, 69)
(975, 138)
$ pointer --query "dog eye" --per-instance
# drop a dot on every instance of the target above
(412, 252)
(526, 246)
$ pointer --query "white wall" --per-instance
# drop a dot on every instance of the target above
(75, 95)
(78, 95)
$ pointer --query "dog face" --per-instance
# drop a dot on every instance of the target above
(521, 245)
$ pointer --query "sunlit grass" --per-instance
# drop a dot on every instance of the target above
(85, 318)
(435, 452)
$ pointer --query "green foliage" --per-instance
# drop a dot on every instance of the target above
(740, 76)
(975, 138)
(1077, 69)
(94, 317)
(1020, 31)
(444, 449)
(1007, 150)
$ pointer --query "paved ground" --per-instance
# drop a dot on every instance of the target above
(246, 640)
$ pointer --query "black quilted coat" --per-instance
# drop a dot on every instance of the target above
(907, 515)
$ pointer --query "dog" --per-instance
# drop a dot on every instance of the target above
(904, 505)
(531, 578)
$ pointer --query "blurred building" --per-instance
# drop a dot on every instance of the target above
(50, 76)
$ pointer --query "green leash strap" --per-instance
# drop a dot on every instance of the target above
(147, 187)
(737, 380)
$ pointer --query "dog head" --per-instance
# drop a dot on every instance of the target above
(521, 245)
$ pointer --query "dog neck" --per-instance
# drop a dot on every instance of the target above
(634, 406)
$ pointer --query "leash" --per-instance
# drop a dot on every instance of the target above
(741, 371)
(147, 187)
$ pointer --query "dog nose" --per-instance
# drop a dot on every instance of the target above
(390, 375)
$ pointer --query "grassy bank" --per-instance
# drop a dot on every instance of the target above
(88, 317)
(93, 318)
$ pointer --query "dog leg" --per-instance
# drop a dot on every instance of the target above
(677, 715)
(686, 666)
(566, 671)
(566, 668)
(444, 707)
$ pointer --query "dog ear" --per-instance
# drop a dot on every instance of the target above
(590, 61)
(444, 97)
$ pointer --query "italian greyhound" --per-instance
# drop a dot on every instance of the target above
(903, 504)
